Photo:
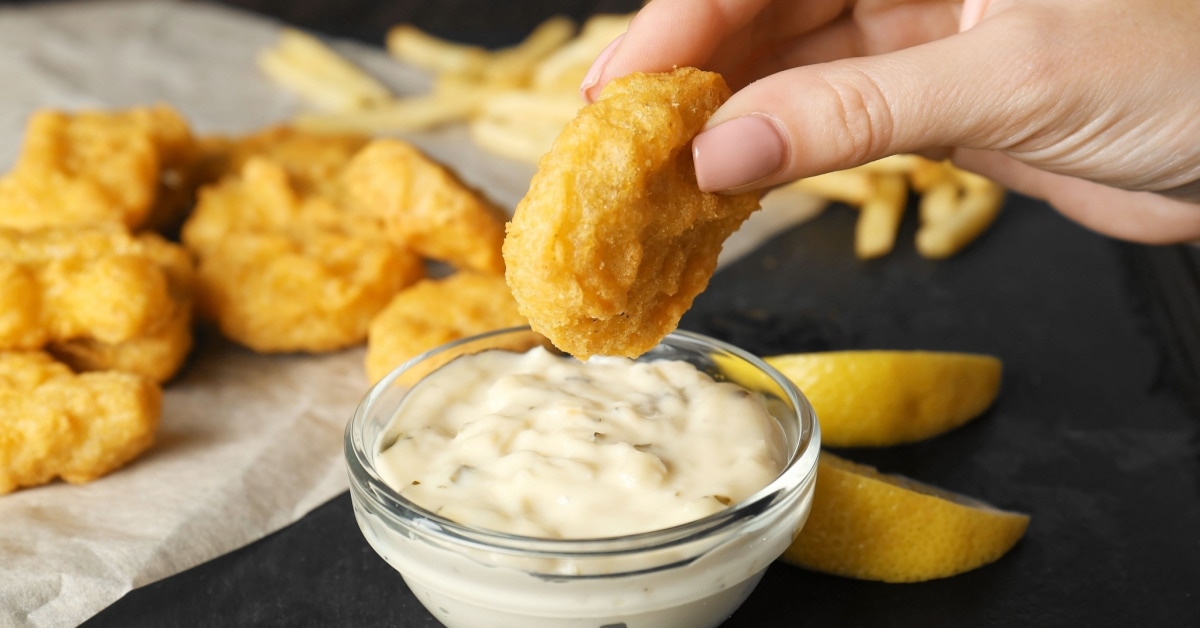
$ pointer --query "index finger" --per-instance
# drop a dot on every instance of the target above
(670, 33)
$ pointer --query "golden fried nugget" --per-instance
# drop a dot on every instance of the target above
(97, 283)
(614, 239)
(301, 291)
(437, 311)
(160, 351)
(54, 423)
(281, 270)
(425, 206)
(157, 355)
(312, 161)
(132, 167)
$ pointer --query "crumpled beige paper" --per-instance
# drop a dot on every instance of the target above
(248, 443)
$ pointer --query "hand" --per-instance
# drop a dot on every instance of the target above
(1089, 105)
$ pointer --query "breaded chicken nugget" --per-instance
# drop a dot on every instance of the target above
(157, 355)
(437, 311)
(281, 270)
(312, 161)
(160, 351)
(425, 206)
(132, 167)
(97, 283)
(54, 423)
(614, 239)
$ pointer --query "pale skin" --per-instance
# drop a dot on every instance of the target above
(1093, 106)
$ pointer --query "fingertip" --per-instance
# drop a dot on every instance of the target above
(589, 89)
(740, 154)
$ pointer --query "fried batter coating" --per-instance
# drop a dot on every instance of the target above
(313, 161)
(282, 270)
(614, 240)
(132, 167)
(101, 284)
(54, 423)
(437, 311)
(425, 206)
(157, 355)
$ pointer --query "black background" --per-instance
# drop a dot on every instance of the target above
(1096, 432)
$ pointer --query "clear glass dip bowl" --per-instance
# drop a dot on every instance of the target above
(688, 576)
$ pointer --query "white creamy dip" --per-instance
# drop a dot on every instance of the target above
(546, 446)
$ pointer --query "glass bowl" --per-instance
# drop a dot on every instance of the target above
(688, 576)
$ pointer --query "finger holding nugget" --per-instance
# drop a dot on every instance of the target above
(614, 239)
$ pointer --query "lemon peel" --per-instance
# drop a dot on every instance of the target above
(883, 398)
(872, 526)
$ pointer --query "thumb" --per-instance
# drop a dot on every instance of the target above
(819, 118)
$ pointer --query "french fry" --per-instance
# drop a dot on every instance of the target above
(305, 64)
(536, 108)
(939, 202)
(398, 116)
(514, 66)
(978, 208)
(522, 143)
(308, 86)
(852, 187)
(879, 217)
(411, 45)
(564, 69)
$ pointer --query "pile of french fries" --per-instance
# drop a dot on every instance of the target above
(516, 100)
(954, 207)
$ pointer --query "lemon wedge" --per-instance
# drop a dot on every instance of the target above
(873, 526)
(882, 398)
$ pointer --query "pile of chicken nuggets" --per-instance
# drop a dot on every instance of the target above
(121, 231)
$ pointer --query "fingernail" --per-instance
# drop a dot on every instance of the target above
(738, 153)
(593, 74)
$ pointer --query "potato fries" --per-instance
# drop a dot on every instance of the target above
(955, 206)
(515, 100)
(321, 76)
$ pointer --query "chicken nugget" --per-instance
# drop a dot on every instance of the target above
(54, 423)
(159, 352)
(97, 283)
(312, 161)
(282, 271)
(437, 311)
(301, 290)
(614, 240)
(157, 355)
(132, 167)
(427, 207)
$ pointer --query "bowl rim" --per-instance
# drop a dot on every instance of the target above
(364, 479)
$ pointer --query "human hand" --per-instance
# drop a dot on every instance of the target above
(1091, 106)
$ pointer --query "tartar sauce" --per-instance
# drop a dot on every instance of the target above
(547, 446)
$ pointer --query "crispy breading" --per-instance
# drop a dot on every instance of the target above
(132, 167)
(312, 161)
(426, 206)
(285, 269)
(54, 423)
(614, 240)
(99, 283)
(157, 355)
(159, 352)
(437, 311)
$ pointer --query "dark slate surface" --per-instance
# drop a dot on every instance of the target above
(1091, 435)
(1096, 432)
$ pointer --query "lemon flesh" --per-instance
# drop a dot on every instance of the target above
(882, 398)
(872, 526)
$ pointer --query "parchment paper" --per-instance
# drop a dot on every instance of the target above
(248, 443)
